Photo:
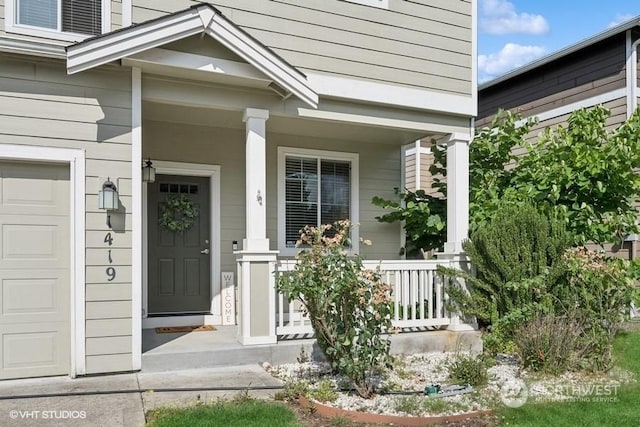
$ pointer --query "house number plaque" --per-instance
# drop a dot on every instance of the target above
(110, 271)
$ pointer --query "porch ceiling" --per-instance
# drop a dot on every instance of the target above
(196, 116)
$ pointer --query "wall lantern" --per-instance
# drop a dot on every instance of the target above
(148, 172)
(108, 199)
(108, 196)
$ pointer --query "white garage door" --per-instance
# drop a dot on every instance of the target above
(34, 270)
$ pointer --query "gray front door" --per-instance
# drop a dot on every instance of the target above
(179, 261)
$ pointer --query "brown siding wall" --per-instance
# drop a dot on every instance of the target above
(581, 75)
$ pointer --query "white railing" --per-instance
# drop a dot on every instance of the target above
(417, 291)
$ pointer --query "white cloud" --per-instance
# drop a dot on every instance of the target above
(500, 17)
(619, 19)
(511, 56)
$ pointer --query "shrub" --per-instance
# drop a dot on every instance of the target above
(551, 344)
(512, 254)
(348, 305)
(597, 291)
(468, 370)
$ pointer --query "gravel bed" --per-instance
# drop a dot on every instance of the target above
(507, 384)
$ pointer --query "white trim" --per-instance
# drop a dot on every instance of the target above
(418, 164)
(382, 4)
(106, 16)
(408, 97)
(11, 26)
(136, 211)
(631, 74)
(193, 169)
(195, 20)
(354, 207)
(76, 160)
(585, 103)
(127, 13)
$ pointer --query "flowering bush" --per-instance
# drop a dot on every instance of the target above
(349, 306)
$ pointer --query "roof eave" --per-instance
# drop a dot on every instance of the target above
(198, 19)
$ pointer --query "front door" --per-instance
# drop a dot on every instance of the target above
(179, 261)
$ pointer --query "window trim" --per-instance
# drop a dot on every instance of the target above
(354, 202)
(382, 4)
(11, 26)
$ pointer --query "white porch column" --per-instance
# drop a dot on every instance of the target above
(457, 214)
(256, 180)
(457, 192)
(256, 263)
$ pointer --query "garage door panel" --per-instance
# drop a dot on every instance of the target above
(27, 242)
(34, 349)
(43, 298)
(37, 189)
(35, 307)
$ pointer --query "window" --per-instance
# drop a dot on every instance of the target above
(71, 20)
(314, 187)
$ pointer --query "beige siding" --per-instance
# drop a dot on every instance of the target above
(40, 105)
(425, 43)
(379, 174)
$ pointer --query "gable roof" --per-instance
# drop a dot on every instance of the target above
(202, 18)
(628, 25)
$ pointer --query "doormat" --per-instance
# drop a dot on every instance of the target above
(176, 329)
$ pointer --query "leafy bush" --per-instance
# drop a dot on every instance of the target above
(423, 216)
(468, 370)
(596, 291)
(551, 344)
(348, 305)
(324, 392)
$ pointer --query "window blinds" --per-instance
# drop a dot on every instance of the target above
(317, 191)
(82, 16)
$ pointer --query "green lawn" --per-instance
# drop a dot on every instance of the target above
(624, 412)
(245, 413)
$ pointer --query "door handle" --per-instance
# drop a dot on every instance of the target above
(205, 251)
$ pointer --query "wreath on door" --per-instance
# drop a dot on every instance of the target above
(178, 213)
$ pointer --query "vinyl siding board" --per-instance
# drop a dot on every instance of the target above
(424, 43)
(40, 105)
(109, 363)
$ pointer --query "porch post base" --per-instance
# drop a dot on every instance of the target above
(457, 325)
(257, 308)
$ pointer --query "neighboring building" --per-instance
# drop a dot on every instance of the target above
(265, 115)
(602, 69)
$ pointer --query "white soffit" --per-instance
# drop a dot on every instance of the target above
(134, 40)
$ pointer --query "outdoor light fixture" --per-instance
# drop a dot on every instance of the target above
(108, 199)
(148, 172)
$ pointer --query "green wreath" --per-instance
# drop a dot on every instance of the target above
(177, 213)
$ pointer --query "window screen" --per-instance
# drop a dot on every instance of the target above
(317, 192)
(78, 16)
(38, 13)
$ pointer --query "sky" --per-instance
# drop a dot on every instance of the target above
(512, 33)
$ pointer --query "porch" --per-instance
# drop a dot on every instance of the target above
(220, 348)
(421, 324)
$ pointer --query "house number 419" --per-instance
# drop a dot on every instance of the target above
(111, 271)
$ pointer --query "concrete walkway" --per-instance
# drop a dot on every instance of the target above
(123, 399)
